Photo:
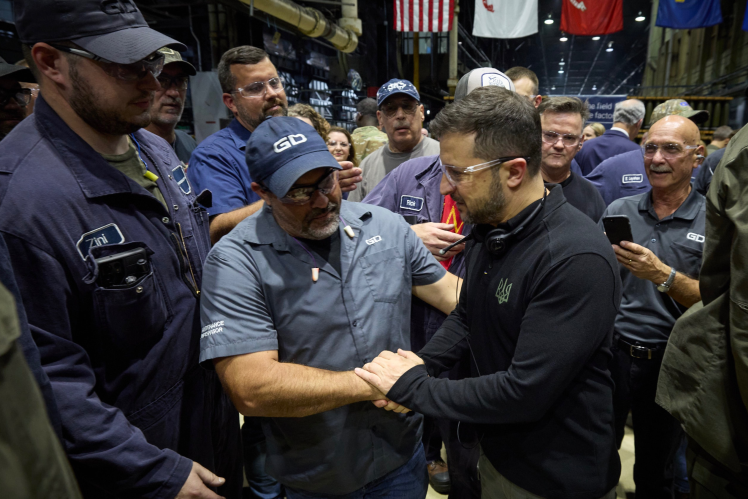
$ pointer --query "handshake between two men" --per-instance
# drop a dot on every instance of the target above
(384, 371)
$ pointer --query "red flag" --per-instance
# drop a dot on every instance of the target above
(591, 17)
(424, 15)
(450, 215)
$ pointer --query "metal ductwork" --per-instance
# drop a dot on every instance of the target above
(310, 22)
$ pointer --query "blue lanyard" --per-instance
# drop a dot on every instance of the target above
(149, 175)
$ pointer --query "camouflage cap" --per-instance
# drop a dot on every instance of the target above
(678, 107)
(171, 56)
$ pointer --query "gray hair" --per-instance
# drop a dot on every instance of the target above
(504, 124)
(629, 112)
(244, 54)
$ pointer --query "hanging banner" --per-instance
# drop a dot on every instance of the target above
(591, 17)
(745, 19)
(424, 15)
(505, 18)
(688, 14)
(601, 107)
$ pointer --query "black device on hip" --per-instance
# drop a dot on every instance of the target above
(123, 270)
(618, 228)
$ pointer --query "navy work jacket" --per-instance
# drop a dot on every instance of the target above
(611, 143)
(413, 189)
(136, 408)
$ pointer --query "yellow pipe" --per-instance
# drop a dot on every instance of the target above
(309, 21)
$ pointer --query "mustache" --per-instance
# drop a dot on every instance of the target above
(172, 101)
(401, 124)
(322, 211)
(276, 102)
(660, 169)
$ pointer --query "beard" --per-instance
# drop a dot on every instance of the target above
(109, 121)
(167, 119)
(307, 228)
(254, 120)
(487, 209)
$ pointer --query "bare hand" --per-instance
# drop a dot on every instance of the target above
(195, 486)
(436, 236)
(389, 405)
(349, 176)
(384, 371)
(641, 262)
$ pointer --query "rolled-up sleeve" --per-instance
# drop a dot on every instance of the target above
(234, 314)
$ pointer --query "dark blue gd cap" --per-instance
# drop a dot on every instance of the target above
(395, 86)
(282, 149)
(114, 30)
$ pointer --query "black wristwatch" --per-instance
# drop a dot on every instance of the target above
(665, 286)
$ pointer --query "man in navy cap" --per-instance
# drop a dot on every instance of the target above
(13, 98)
(401, 116)
(107, 242)
(296, 297)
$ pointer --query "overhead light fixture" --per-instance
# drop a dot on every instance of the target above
(610, 47)
(562, 62)
(639, 18)
(553, 87)
(563, 37)
(595, 38)
(594, 87)
(560, 71)
(428, 111)
(549, 20)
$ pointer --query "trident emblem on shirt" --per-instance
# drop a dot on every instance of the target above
(502, 292)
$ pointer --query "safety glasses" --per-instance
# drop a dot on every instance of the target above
(259, 88)
(21, 96)
(459, 175)
(152, 64)
(303, 194)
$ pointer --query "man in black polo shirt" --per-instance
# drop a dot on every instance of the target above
(563, 119)
(659, 271)
(534, 320)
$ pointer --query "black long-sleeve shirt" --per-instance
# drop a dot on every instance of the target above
(536, 326)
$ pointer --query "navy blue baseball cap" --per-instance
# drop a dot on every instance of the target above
(282, 149)
(114, 30)
(395, 86)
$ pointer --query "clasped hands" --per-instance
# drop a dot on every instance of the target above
(384, 371)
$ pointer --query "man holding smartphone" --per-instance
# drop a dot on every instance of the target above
(659, 271)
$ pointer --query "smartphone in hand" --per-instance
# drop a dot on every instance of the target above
(618, 228)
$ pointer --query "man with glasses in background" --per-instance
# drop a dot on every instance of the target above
(401, 115)
(14, 99)
(563, 120)
(298, 295)
(534, 320)
(107, 244)
(168, 104)
(660, 271)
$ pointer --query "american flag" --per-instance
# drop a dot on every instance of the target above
(424, 15)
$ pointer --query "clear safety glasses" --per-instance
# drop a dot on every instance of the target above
(458, 175)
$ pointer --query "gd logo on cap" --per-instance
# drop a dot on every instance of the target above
(289, 141)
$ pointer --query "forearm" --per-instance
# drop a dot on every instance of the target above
(442, 294)
(684, 290)
(222, 224)
(291, 390)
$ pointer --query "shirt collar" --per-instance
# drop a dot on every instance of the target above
(625, 132)
(94, 175)
(689, 210)
(239, 134)
(429, 169)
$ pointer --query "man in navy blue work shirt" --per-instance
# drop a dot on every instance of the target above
(534, 320)
(628, 117)
(625, 175)
(659, 271)
(563, 120)
(107, 243)
(297, 296)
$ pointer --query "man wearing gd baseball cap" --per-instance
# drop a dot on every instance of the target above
(296, 297)
(107, 248)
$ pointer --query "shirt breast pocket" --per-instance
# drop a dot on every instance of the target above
(132, 317)
(688, 259)
(384, 272)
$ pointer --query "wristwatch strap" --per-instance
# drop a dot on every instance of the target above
(665, 286)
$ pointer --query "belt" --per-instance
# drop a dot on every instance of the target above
(638, 351)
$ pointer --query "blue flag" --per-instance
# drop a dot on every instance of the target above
(688, 14)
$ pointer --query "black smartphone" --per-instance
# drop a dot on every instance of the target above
(123, 270)
(618, 228)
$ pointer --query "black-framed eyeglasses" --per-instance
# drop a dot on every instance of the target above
(152, 64)
(550, 137)
(390, 108)
(302, 194)
(259, 88)
(22, 96)
(180, 82)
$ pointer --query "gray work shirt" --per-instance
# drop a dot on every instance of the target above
(647, 315)
(258, 295)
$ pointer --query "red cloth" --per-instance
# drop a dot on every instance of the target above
(451, 215)
(423, 15)
(591, 17)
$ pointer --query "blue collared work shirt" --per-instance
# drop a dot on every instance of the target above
(218, 164)
(259, 296)
(135, 406)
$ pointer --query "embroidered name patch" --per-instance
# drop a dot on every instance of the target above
(180, 177)
(411, 203)
(633, 179)
(108, 234)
